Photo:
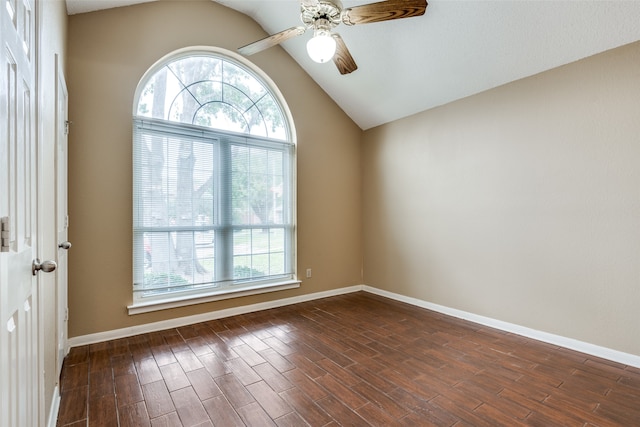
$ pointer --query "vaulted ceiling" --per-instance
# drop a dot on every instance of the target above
(456, 49)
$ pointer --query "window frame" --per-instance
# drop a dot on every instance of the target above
(238, 287)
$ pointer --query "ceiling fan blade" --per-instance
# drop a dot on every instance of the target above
(270, 41)
(383, 11)
(342, 58)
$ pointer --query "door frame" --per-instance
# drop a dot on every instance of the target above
(62, 125)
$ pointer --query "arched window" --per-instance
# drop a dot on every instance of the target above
(213, 182)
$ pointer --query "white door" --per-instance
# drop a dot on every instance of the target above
(20, 382)
(62, 217)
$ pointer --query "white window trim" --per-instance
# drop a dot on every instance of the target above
(186, 299)
(140, 307)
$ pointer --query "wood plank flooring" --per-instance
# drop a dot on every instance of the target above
(350, 360)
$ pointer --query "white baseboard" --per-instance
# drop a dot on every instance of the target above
(570, 343)
(55, 407)
(583, 347)
(188, 320)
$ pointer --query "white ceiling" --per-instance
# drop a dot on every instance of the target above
(458, 48)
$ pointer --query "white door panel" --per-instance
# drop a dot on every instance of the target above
(19, 312)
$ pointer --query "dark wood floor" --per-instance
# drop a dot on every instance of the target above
(351, 360)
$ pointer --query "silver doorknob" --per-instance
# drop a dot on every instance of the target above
(65, 245)
(46, 266)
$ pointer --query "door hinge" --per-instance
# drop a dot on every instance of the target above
(66, 221)
(67, 123)
(66, 314)
(5, 234)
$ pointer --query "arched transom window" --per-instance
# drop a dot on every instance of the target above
(214, 92)
(213, 182)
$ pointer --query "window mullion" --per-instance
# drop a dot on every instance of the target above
(224, 236)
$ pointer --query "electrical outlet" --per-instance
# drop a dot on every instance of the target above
(308, 273)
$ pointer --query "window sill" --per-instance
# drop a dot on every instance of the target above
(185, 300)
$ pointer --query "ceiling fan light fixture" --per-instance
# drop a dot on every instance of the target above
(321, 47)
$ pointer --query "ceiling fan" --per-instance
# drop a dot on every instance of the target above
(324, 15)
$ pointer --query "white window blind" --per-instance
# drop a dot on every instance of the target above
(213, 210)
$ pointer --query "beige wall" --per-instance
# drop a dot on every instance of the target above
(521, 203)
(109, 51)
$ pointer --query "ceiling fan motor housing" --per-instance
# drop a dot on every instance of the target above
(324, 15)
